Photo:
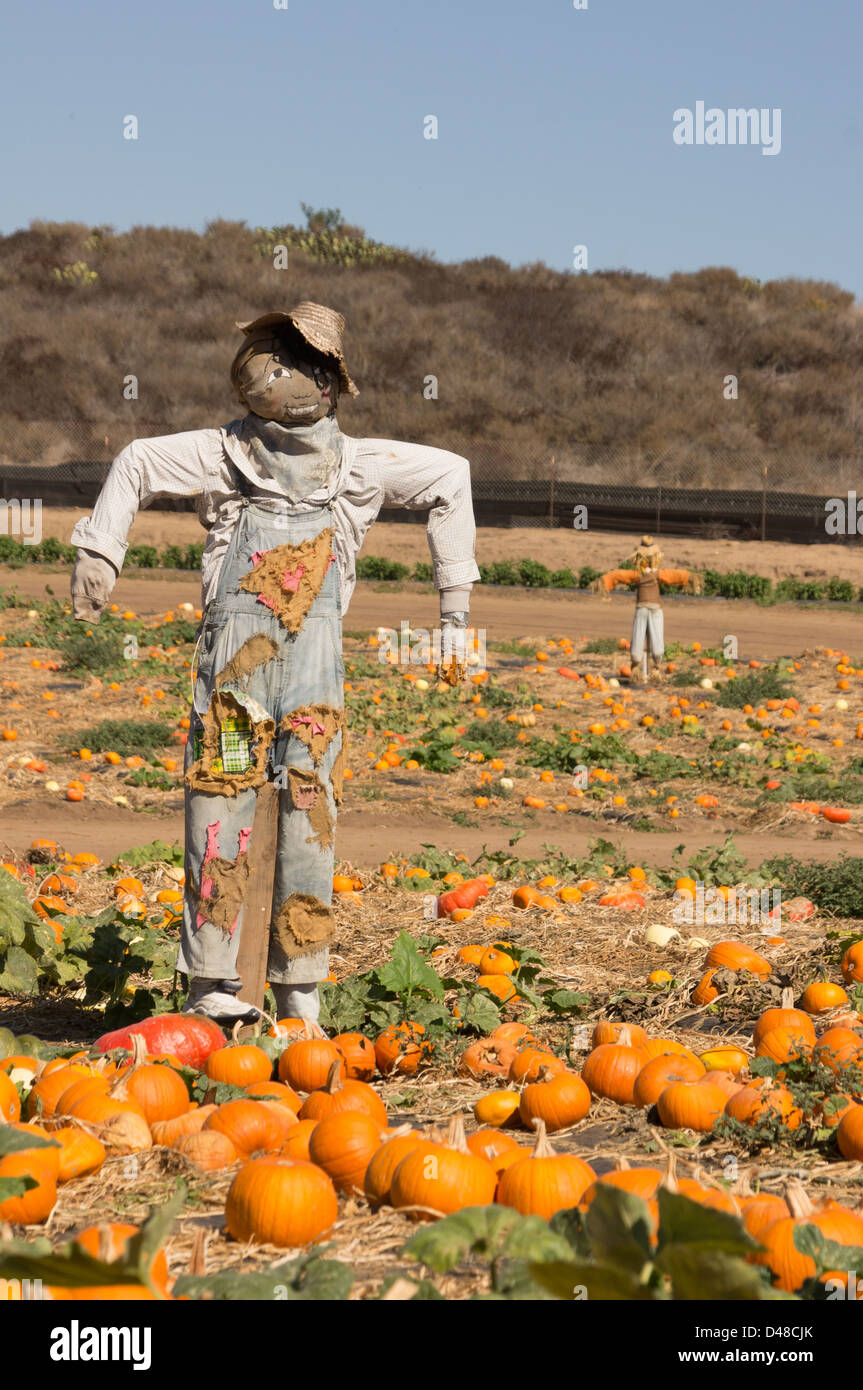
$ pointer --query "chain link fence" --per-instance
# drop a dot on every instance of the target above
(748, 493)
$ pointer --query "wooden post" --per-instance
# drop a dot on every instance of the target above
(551, 495)
(764, 503)
(258, 906)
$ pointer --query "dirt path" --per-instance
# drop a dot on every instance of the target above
(783, 630)
(366, 838)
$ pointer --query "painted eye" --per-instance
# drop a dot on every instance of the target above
(274, 376)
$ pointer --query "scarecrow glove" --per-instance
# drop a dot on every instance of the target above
(93, 578)
(453, 648)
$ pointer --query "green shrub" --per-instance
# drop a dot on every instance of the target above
(97, 654)
(500, 572)
(145, 557)
(586, 575)
(124, 736)
(12, 552)
(835, 887)
(563, 579)
(423, 572)
(840, 590)
(377, 567)
(753, 689)
(173, 557)
(533, 574)
(602, 646)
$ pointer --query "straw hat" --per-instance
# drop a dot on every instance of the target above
(648, 550)
(320, 327)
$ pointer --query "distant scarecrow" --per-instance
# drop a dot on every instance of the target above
(648, 628)
(283, 493)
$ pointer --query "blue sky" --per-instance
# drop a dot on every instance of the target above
(555, 125)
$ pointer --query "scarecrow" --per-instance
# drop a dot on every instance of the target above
(648, 624)
(287, 500)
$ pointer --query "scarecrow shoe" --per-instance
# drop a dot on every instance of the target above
(223, 1008)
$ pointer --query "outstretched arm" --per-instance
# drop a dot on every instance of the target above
(608, 581)
(420, 478)
(689, 580)
(172, 465)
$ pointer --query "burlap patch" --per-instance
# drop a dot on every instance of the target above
(220, 894)
(308, 794)
(252, 654)
(202, 777)
(314, 725)
(288, 578)
(304, 924)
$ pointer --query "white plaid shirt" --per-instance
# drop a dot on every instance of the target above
(374, 473)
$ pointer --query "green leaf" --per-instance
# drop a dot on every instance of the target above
(565, 1001)
(570, 1225)
(15, 1187)
(606, 1282)
(828, 1254)
(68, 1266)
(618, 1227)
(698, 1274)
(406, 971)
(309, 1278)
(16, 1141)
(19, 974)
(145, 1246)
(684, 1222)
(158, 852)
(478, 1010)
(491, 1232)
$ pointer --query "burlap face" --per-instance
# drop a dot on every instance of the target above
(278, 382)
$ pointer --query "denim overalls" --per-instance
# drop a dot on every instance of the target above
(268, 702)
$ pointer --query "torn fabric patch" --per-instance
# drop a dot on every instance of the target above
(303, 925)
(314, 725)
(252, 654)
(222, 890)
(308, 794)
(288, 578)
(232, 746)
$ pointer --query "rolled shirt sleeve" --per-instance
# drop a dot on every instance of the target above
(172, 465)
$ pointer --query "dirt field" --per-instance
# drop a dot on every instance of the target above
(527, 774)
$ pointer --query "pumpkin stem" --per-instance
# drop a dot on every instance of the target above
(118, 1088)
(669, 1179)
(786, 1000)
(624, 1037)
(799, 1204)
(542, 1148)
(456, 1138)
(621, 1164)
(334, 1078)
(235, 1031)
